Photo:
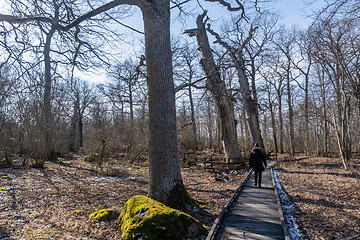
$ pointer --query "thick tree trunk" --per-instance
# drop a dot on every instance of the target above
(250, 110)
(248, 102)
(166, 183)
(253, 86)
(217, 88)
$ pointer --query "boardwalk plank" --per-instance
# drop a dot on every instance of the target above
(254, 214)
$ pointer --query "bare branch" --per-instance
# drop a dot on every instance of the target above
(74, 23)
(97, 11)
(13, 19)
(228, 5)
(182, 86)
(179, 4)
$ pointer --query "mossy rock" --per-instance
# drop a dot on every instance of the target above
(104, 214)
(64, 162)
(8, 177)
(145, 218)
(92, 157)
(6, 189)
(77, 211)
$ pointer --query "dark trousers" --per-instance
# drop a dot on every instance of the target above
(258, 178)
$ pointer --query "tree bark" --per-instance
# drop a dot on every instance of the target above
(193, 123)
(47, 116)
(248, 102)
(281, 123)
(217, 88)
(291, 114)
(166, 183)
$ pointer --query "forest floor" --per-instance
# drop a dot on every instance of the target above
(42, 203)
(327, 198)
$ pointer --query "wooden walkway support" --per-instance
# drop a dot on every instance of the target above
(253, 214)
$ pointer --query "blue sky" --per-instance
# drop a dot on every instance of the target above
(295, 12)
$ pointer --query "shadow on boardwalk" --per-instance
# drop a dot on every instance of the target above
(254, 214)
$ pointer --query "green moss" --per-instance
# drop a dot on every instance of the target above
(92, 157)
(145, 218)
(179, 198)
(6, 189)
(8, 177)
(104, 214)
(77, 211)
(65, 163)
(24, 176)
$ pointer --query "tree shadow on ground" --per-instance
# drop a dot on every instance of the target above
(320, 202)
(4, 235)
(348, 175)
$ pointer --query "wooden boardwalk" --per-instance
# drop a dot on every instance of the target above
(254, 213)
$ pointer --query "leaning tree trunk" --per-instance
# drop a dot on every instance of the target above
(248, 102)
(217, 88)
(166, 183)
(250, 107)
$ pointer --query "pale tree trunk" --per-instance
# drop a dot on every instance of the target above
(273, 122)
(210, 124)
(193, 123)
(343, 134)
(324, 110)
(291, 116)
(166, 183)
(131, 106)
(281, 123)
(217, 88)
(248, 102)
(306, 100)
(253, 86)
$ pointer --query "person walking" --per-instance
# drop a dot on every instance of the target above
(257, 162)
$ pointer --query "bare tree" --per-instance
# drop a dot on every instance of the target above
(165, 178)
(217, 87)
(82, 96)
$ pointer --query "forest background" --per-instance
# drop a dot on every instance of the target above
(304, 81)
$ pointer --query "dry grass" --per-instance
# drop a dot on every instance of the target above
(43, 200)
(328, 197)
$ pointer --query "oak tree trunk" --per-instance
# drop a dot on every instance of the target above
(223, 103)
(46, 114)
(166, 183)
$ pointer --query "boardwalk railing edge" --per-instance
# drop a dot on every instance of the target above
(279, 208)
(220, 217)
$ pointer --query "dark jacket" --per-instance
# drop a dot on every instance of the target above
(257, 159)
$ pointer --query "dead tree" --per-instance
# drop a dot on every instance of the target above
(236, 55)
(217, 87)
